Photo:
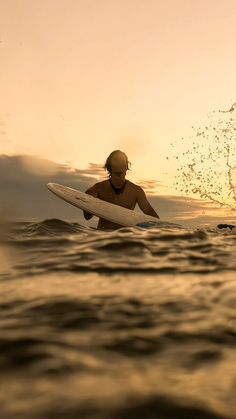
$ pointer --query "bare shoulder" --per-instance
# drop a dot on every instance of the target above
(97, 185)
(96, 188)
(102, 185)
(131, 184)
(135, 188)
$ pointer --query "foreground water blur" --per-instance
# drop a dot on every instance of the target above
(126, 324)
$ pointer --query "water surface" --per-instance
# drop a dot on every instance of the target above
(132, 323)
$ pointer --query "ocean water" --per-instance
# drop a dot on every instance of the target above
(125, 324)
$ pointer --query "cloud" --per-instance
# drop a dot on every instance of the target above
(25, 196)
(96, 170)
(149, 186)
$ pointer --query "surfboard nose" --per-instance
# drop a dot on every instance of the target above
(51, 186)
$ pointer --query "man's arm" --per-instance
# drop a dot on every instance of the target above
(93, 191)
(144, 204)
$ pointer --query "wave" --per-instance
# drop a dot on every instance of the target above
(55, 245)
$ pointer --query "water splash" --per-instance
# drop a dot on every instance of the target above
(233, 107)
(208, 167)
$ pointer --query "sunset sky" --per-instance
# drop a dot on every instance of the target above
(80, 78)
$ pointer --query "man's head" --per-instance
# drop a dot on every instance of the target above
(117, 165)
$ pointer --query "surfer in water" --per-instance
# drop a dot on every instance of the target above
(118, 190)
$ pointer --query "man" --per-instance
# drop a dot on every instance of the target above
(118, 190)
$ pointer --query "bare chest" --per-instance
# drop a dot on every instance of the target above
(126, 199)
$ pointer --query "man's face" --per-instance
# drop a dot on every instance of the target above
(118, 169)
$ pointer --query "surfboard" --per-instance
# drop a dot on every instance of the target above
(111, 212)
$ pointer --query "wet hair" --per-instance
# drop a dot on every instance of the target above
(108, 163)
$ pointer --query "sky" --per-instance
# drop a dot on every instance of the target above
(81, 78)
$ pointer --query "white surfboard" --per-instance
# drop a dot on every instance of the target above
(103, 209)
